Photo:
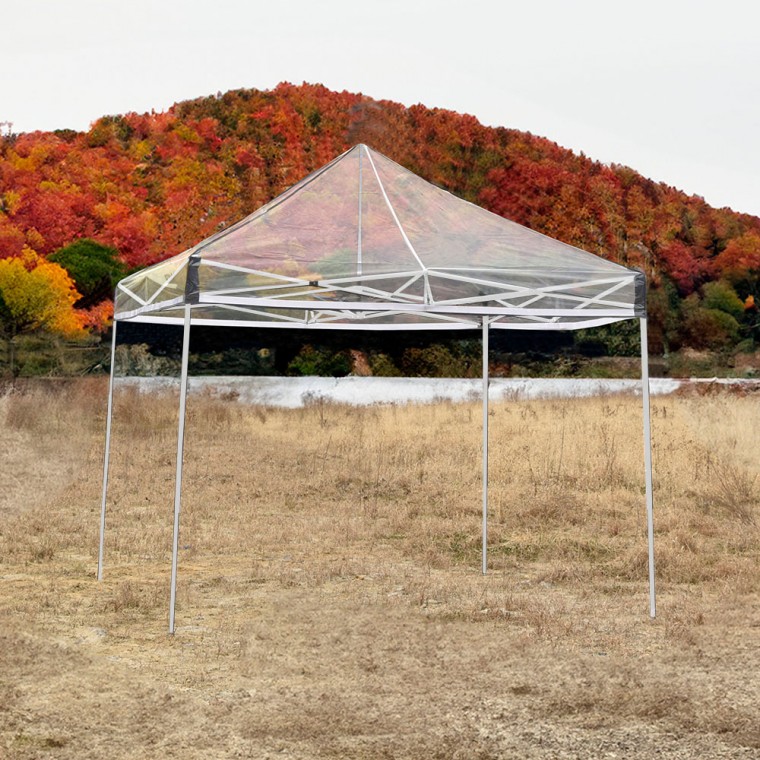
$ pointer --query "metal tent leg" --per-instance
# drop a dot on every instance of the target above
(648, 461)
(180, 452)
(359, 225)
(485, 445)
(106, 456)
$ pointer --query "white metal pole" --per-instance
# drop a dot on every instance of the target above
(485, 445)
(648, 460)
(359, 239)
(107, 455)
(180, 452)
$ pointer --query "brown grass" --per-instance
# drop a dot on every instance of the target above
(330, 602)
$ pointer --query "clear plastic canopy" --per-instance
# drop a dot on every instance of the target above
(363, 243)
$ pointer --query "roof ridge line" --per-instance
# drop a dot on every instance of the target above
(393, 212)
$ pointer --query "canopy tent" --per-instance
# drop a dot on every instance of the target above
(365, 244)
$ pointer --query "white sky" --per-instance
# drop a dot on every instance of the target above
(668, 87)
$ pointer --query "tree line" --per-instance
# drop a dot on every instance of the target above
(80, 209)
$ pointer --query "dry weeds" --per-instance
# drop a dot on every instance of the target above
(330, 602)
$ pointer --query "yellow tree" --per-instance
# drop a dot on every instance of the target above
(36, 294)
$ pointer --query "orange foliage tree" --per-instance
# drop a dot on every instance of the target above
(36, 294)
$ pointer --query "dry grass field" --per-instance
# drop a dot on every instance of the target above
(330, 600)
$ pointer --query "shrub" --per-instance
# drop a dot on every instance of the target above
(319, 361)
(708, 328)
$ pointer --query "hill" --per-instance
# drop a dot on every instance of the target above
(151, 185)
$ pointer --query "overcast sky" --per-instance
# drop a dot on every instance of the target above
(668, 87)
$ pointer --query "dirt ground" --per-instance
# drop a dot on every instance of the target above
(330, 600)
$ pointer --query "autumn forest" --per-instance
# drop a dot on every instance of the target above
(78, 210)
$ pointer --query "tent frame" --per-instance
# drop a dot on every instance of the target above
(397, 300)
(485, 324)
(294, 307)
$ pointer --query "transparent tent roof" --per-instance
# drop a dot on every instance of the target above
(363, 243)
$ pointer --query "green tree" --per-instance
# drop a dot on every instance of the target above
(708, 328)
(664, 307)
(95, 269)
(720, 295)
